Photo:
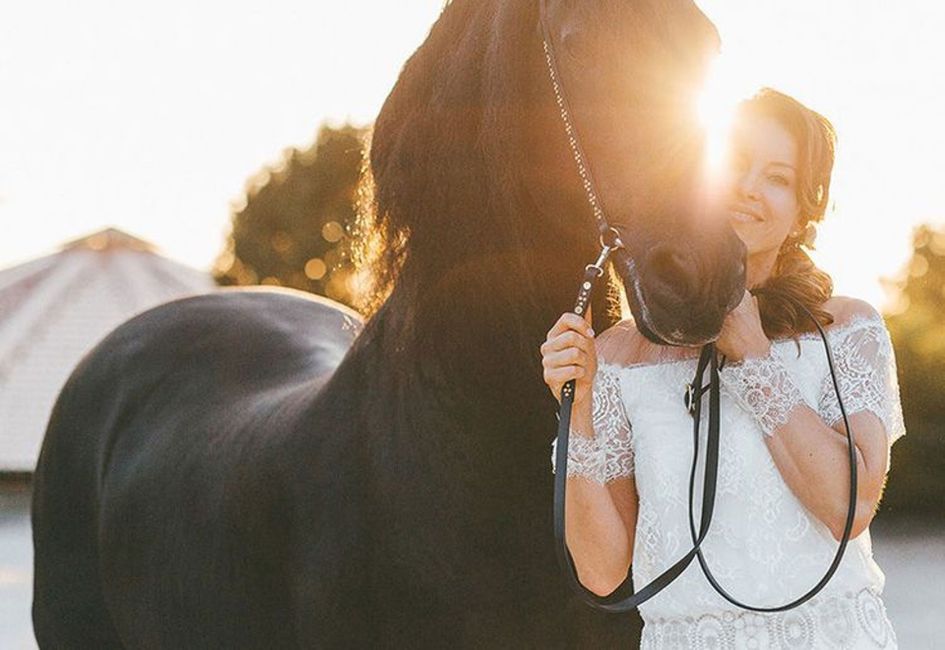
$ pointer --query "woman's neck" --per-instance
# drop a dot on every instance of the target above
(758, 267)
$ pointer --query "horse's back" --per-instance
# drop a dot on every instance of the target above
(149, 455)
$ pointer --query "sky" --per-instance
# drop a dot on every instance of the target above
(150, 117)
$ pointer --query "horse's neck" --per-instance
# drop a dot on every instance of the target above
(455, 356)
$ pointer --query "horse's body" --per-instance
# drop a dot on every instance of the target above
(159, 512)
(241, 470)
(232, 495)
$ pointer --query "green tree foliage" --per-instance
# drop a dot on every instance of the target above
(917, 478)
(292, 228)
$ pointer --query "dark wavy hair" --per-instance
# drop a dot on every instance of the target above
(795, 278)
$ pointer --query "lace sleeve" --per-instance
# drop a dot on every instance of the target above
(866, 372)
(609, 454)
(763, 387)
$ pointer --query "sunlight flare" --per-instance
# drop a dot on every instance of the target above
(716, 106)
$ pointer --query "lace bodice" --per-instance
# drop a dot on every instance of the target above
(764, 546)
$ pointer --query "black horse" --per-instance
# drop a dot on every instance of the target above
(260, 469)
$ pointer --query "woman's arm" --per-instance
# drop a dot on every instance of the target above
(813, 458)
(601, 498)
(600, 522)
(811, 455)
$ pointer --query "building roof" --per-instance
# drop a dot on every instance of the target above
(55, 308)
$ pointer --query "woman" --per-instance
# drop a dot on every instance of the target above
(783, 479)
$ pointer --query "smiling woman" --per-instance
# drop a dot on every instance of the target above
(784, 496)
(778, 170)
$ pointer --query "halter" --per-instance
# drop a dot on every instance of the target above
(708, 359)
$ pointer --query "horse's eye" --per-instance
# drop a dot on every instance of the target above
(575, 45)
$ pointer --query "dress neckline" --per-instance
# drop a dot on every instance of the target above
(832, 332)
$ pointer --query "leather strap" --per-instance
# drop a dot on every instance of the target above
(851, 505)
(662, 581)
(707, 357)
(571, 128)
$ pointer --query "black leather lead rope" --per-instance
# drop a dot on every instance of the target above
(708, 357)
(851, 506)
(561, 462)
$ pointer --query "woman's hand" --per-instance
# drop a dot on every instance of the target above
(569, 353)
(742, 335)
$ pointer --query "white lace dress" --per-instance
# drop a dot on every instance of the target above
(764, 547)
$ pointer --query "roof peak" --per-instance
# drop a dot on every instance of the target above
(108, 239)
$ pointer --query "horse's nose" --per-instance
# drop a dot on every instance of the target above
(672, 271)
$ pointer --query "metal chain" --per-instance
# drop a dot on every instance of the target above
(572, 138)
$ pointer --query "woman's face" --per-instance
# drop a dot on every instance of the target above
(761, 184)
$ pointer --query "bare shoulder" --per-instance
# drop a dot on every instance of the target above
(621, 343)
(846, 309)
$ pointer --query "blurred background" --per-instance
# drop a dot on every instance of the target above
(154, 150)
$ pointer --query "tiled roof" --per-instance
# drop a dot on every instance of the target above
(56, 308)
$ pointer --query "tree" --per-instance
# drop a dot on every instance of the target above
(293, 226)
(917, 482)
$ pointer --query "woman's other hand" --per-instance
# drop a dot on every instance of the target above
(569, 353)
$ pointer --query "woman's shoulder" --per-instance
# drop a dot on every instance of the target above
(848, 311)
(621, 344)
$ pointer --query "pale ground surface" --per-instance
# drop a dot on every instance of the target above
(912, 555)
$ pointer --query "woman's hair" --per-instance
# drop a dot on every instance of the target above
(795, 276)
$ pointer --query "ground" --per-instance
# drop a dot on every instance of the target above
(911, 552)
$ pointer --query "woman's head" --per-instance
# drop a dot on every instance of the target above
(778, 187)
(781, 159)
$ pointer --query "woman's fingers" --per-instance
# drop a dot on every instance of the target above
(569, 321)
(567, 357)
(569, 353)
(559, 376)
(567, 340)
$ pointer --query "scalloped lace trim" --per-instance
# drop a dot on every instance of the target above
(842, 621)
(763, 387)
(608, 455)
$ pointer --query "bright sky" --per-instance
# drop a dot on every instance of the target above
(150, 116)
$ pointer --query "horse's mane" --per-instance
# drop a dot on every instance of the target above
(446, 220)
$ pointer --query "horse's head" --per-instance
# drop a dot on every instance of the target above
(477, 202)
(629, 74)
